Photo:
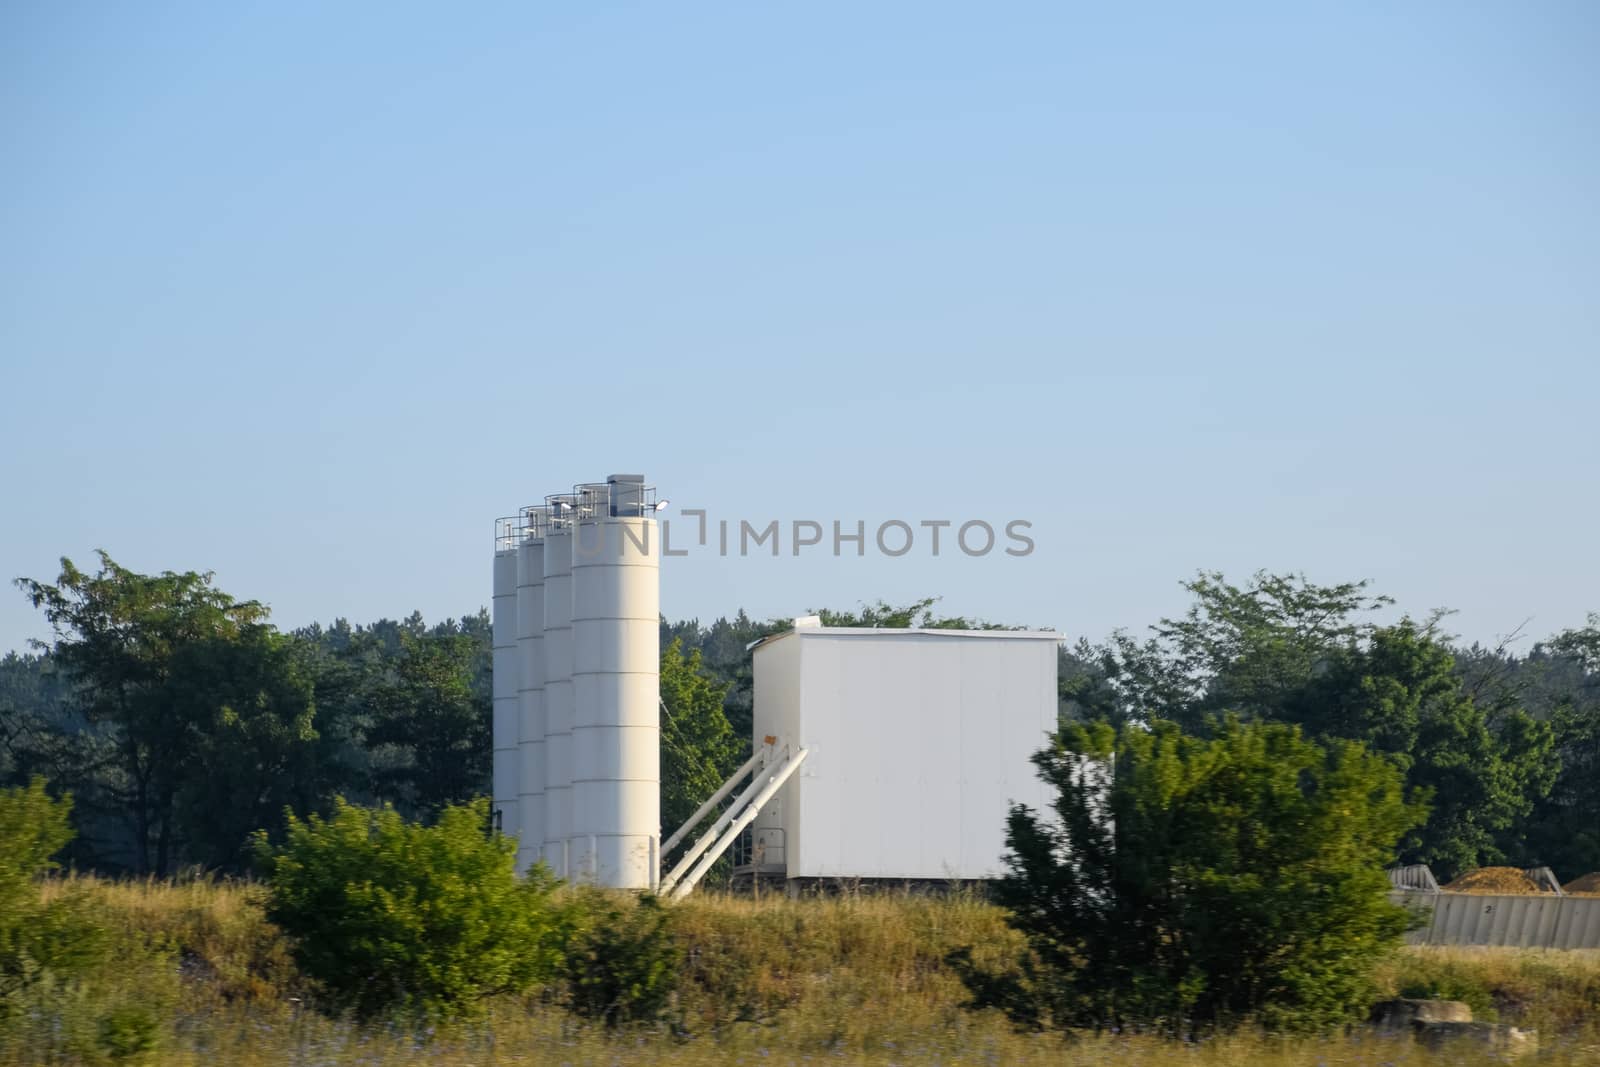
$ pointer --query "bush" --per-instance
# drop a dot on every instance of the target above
(39, 938)
(389, 916)
(128, 1032)
(622, 958)
(1191, 883)
(70, 986)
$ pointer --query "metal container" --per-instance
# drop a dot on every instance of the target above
(616, 736)
(558, 685)
(506, 720)
(530, 648)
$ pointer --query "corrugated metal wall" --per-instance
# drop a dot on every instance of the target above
(1523, 921)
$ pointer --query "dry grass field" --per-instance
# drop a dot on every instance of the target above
(851, 979)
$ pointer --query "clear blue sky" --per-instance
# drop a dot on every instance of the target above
(308, 294)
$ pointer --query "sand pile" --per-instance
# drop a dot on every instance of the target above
(1587, 886)
(1493, 880)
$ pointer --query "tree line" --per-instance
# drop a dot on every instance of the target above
(1503, 746)
(182, 720)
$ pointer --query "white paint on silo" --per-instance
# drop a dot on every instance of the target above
(558, 684)
(616, 791)
(506, 717)
(530, 658)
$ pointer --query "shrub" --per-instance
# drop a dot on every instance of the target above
(390, 916)
(622, 957)
(1191, 883)
(128, 1032)
(70, 986)
(39, 938)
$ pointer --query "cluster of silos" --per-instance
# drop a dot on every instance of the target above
(577, 775)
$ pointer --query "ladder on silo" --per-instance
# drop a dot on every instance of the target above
(709, 846)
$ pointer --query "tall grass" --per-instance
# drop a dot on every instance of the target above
(851, 979)
(1555, 991)
(225, 948)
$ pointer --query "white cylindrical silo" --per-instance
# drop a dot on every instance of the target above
(530, 660)
(558, 685)
(616, 791)
(506, 719)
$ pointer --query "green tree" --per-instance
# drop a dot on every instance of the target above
(1189, 882)
(918, 614)
(622, 957)
(1086, 685)
(388, 916)
(1237, 649)
(43, 734)
(725, 655)
(432, 718)
(1402, 696)
(33, 703)
(1583, 646)
(1563, 829)
(159, 659)
(698, 746)
(1284, 649)
(256, 744)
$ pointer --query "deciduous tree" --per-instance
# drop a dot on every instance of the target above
(1189, 882)
(698, 746)
(165, 661)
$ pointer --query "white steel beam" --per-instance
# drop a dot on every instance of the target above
(705, 840)
(716, 798)
(748, 813)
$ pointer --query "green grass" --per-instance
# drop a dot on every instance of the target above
(853, 979)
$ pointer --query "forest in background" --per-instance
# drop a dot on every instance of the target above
(182, 720)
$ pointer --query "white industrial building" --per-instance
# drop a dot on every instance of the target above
(918, 743)
(877, 753)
